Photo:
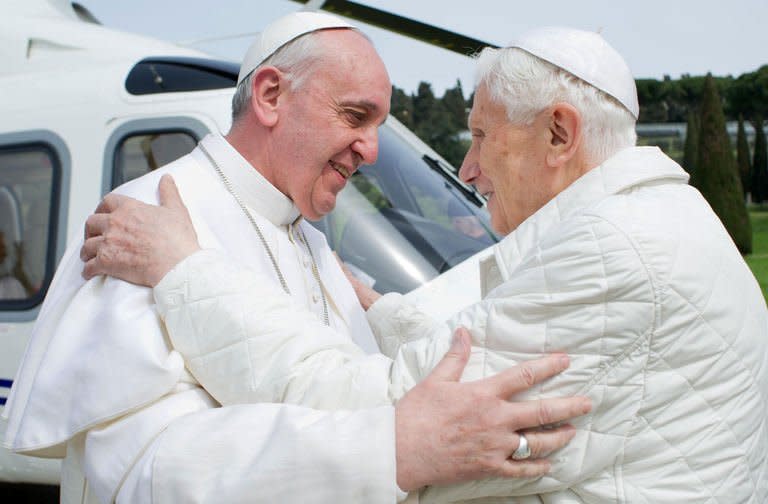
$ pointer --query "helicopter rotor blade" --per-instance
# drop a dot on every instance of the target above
(404, 26)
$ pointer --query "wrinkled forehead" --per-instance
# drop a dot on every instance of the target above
(349, 62)
(484, 107)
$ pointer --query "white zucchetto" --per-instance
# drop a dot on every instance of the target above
(587, 56)
(282, 31)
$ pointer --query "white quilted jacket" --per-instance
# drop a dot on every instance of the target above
(628, 271)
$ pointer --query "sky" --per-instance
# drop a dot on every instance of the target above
(656, 37)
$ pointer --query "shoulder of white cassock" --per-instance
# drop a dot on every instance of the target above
(97, 349)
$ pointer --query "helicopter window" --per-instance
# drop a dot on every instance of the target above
(171, 75)
(29, 181)
(401, 222)
(139, 154)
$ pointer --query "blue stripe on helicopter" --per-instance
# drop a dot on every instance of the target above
(5, 384)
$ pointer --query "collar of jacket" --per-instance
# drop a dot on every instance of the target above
(256, 192)
(632, 167)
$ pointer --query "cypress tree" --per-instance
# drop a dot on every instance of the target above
(742, 156)
(691, 150)
(716, 174)
(759, 180)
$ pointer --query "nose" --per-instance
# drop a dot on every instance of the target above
(470, 169)
(367, 145)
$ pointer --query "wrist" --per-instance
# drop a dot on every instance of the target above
(404, 475)
(408, 463)
(161, 271)
(366, 295)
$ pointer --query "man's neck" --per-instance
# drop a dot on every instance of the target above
(574, 169)
(253, 150)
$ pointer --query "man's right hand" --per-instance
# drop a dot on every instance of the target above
(449, 431)
(137, 242)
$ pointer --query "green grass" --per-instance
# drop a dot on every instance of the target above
(758, 259)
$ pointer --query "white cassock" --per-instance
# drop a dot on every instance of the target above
(101, 385)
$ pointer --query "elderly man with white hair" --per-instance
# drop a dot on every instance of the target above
(609, 256)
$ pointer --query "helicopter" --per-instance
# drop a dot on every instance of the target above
(86, 108)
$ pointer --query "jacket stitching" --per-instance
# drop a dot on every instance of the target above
(620, 490)
(721, 421)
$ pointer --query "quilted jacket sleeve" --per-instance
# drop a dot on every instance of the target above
(587, 292)
(247, 342)
(263, 453)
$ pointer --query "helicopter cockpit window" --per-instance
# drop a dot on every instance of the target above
(29, 177)
(139, 154)
(401, 222)
(177, 74)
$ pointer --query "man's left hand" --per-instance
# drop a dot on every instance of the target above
(137, 242)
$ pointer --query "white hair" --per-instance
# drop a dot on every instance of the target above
(526, 85)
(296, 59)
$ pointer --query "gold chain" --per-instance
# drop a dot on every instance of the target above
(283, 283)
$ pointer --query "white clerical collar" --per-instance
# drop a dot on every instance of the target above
(252, 188)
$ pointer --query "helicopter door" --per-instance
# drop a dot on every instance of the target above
(31, 219)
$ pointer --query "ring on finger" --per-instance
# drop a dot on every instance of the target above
(523, 450)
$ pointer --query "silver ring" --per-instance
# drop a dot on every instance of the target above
(523, 449)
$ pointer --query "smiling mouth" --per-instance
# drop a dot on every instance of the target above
(343, 171)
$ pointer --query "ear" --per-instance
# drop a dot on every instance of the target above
(268, 86)
(564, 134)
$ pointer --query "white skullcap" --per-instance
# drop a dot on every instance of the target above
(587, 56)
(282, 31)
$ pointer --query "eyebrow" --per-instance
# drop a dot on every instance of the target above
(361, 103)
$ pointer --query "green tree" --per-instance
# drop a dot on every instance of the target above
(456, 106)
(748, 95)
(759, 180)
(691, 150)
(432, 123)
(650, 95)
(691, 88)
(401, 106)
(716, 174)
(427, 110)
(742, 156)
(423, 101)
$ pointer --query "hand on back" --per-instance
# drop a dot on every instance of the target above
(137, 242)
(448, 431)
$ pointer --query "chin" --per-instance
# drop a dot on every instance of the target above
(320, 211)
(499, 225)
